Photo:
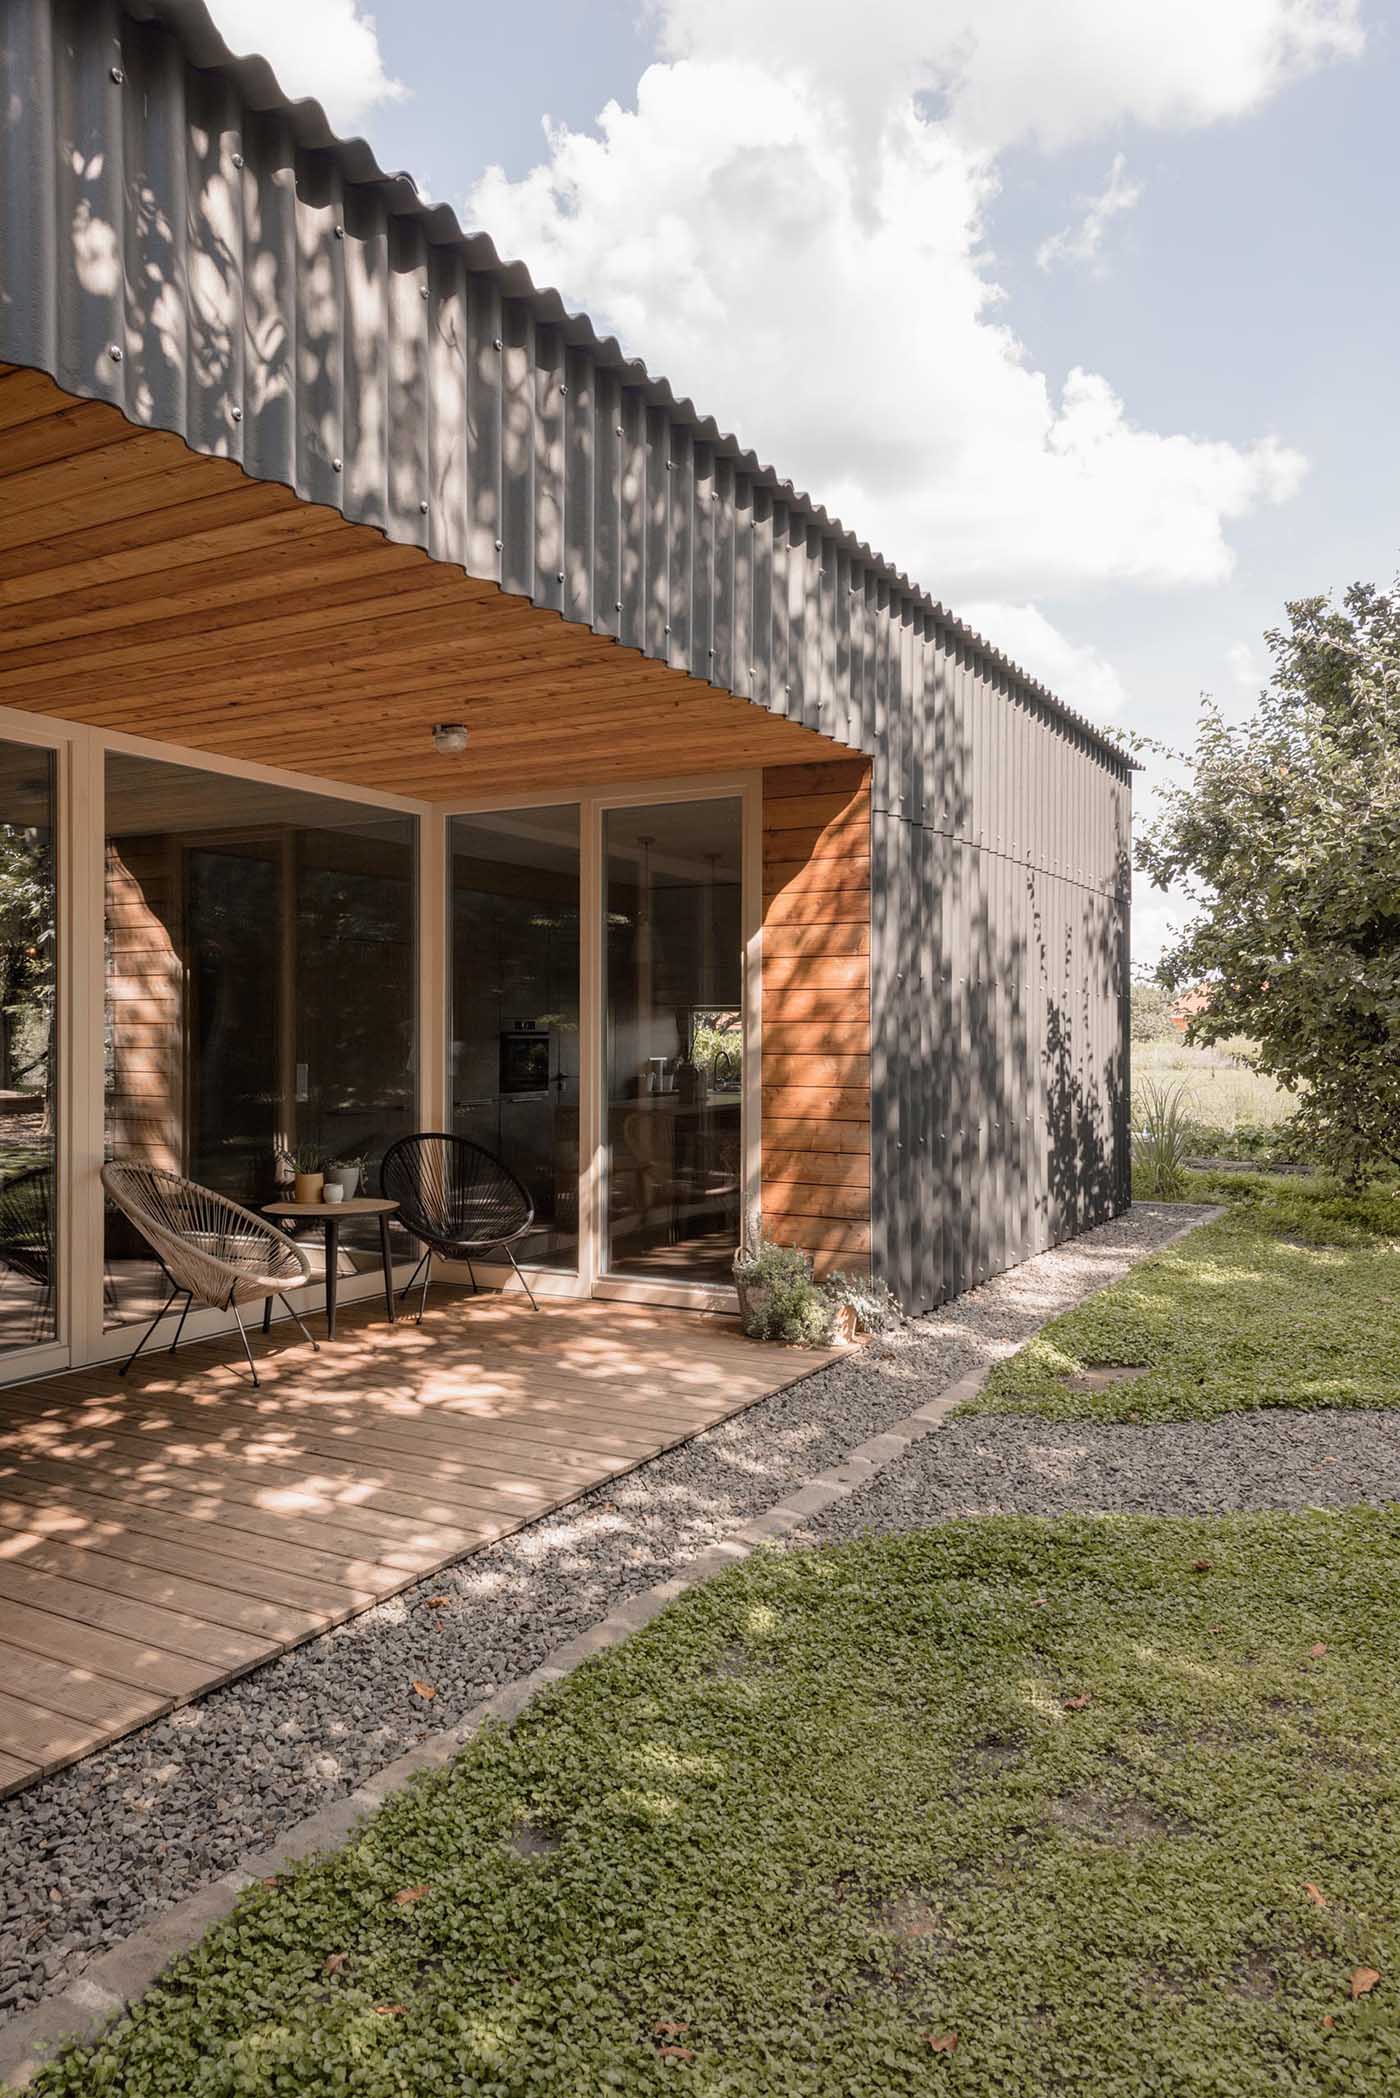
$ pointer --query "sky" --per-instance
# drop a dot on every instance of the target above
(1084, 313)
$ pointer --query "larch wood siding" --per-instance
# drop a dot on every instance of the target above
(816, 1010)
(145, 1003)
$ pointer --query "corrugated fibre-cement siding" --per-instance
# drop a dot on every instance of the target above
(999, 1052)
(816, 1011)
(179, 239)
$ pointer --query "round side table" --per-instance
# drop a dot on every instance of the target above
(330, 1215)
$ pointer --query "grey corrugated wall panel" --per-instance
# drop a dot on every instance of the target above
(278, 299)
(999, 978)
(179, 239)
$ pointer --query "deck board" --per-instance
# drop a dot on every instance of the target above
(163, 1533)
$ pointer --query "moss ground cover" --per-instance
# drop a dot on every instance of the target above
(1008, 1806)
(1291, 1299)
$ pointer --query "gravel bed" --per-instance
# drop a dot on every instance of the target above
(1005, 1465)
(89, 1854)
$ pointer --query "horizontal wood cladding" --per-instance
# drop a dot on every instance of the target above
(816, 1010)
(148, 590)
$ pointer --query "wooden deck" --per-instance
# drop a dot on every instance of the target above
(163, 1534)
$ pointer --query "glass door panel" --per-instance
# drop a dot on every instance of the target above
(261, 995)
(515, 1009)
(674, 1037)
(28, 1062)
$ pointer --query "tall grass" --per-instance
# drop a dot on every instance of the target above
(1161, 1140)
(1229, 1094)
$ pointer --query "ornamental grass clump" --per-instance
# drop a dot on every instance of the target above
(1161, 1142)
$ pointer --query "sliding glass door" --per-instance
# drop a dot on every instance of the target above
(261, 982)
(596, 1040)
(674, 1039)
(514, 1057)
(29, 1237)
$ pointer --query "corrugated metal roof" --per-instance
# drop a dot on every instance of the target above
(182, 239)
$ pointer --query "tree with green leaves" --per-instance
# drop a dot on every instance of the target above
(1287, 837)
(1151, 1007)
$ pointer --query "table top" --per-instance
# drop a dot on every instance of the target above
(357, 1206)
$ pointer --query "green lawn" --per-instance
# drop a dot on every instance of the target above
(1292, 1299)
(1106, 1807)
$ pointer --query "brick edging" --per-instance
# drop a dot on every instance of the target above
(127, 1969)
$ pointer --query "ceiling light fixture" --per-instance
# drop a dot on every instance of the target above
(449, 737)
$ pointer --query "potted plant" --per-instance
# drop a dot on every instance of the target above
(345, 1174)
(308, 1164)
(861, 1304)
(779, 1298)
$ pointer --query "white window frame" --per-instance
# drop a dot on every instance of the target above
(81, 997)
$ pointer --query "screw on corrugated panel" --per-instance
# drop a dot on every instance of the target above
(423, 506)
(422, 291)
(335, 466)
(118, 75)
(499, 544)
(617, 604)
(237, 414)
(560, 577)
(238, 160)
(666, 630)
(340, 233)
(619, 429)
(711, 651)
(495, 342)
(114, 352)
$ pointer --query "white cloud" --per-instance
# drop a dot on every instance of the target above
(1074, 670)
(326, 48)
(1084, 243)
(820, 283)
(1009, 70)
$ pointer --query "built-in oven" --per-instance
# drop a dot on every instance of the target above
(525, 1060)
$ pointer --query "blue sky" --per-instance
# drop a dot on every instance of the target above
(882, 242)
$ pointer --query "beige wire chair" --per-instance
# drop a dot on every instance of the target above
(213, 1251)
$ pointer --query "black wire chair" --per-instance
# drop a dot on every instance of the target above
(26, 1235)
(458, 1201)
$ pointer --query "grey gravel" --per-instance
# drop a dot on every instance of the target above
(88, 1855)
(1003, 1464)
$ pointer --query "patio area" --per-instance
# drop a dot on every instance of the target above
(163, 1534)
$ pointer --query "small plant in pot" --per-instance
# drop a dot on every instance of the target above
(345, 1174)
(779, 1297)
(308, 1164)
(861, 1304)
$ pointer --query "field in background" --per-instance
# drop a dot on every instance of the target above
(1225, 1094)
